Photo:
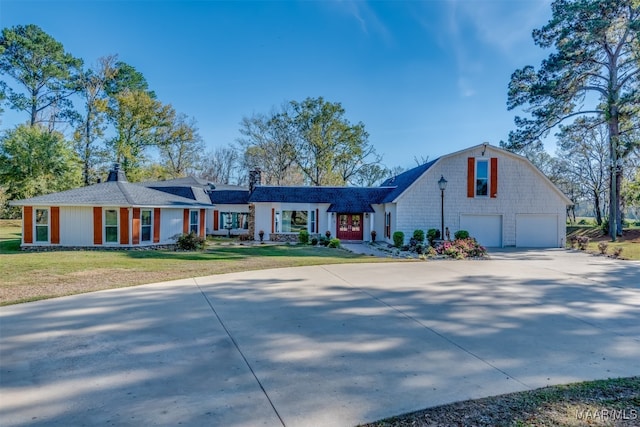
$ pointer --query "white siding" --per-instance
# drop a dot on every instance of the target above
(225, 208)
(76, 226)
(170, 225)
(521, 190)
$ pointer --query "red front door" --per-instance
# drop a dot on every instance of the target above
(349, 226)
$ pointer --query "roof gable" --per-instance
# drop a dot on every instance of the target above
(403, 181)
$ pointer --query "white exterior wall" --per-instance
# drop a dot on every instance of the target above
(326, 221)
(76, 226)
(521, 190)
(170, 225)
(241, 208)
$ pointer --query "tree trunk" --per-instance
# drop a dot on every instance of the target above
(597, 210)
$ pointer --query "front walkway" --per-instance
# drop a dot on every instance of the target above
(325, 345)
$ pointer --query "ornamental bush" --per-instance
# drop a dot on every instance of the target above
(461, 234)
(461, 248)
(419, 236)
(398, 239)
(190, 242)
(432, 235)
(303, 237)
(334, 243)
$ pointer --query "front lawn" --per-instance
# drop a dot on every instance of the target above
(629, 242)
(29, 276)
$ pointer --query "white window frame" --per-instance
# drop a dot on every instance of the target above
(488, 178)
(196, 224)
(47, 225)
(312, 220)
(150, 226)
(104, 226)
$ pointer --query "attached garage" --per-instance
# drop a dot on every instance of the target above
(487, 229)
(537, 231)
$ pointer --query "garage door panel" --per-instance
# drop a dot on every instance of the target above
(486, 229)
(536, 230)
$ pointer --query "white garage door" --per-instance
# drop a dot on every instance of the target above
(487, 229)
(536, 231)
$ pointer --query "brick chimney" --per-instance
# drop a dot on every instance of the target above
(116, 175)
(255, 179)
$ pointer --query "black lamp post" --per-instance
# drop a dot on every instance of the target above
(442, 183)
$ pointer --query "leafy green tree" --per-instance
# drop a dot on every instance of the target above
(138, 120)
(34, 161)
(40, 65)
(92, 124)
(268, 144)
(180, 146)
(596, 56)
(329, 149)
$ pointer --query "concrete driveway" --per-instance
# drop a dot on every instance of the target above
(329, 345)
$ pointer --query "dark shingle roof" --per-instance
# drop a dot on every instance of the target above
(404, 180)
(113, 193)
(342, 199)
(191, 181)
(229, 197)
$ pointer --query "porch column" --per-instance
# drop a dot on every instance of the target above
(371, 223)
(329, 225)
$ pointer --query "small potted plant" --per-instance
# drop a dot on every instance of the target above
(261, 234)
(373, 235)
(327, 234)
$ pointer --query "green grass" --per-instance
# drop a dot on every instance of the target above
(29, 276)
(562, 405)
(629, 241)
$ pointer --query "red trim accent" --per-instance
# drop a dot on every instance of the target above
(317, 220)
(185, 221)
(135, 227)
(97, 225)
(273, 220)
(202, 224)
(216, 220)
(494, 178)
(471, 177)
(27, 228)
(124, 226)
(55, 225)
(156, 225)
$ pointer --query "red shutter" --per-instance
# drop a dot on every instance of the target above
(471, 177)
(27, 221)
(273, 220)
(97, 225)
(317, 220)
(494, 177)
(185, 222)
(156, 225)
(55, 225)
(202, 223)
(124, 226)
(216, 220)
(135, 227)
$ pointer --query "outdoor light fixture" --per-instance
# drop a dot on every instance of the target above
(442, 183)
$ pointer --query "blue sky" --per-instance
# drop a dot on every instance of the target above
(426, 78)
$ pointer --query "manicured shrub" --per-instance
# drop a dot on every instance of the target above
(398, 238)
(432, 235)
(419, 249)
(303, 237)
(314, 241)
(583, 242)
(461, 234)
(602, 247)
(245, 237)
(190, 242)
(334, 243)
(617, 251)
(324, 241)
(419, 236)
